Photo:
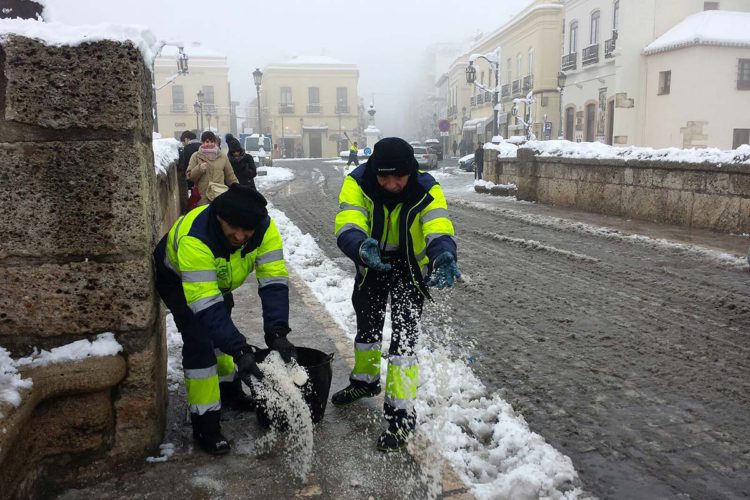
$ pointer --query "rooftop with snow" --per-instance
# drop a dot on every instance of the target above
(711, 27)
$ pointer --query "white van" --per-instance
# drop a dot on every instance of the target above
(260, 151)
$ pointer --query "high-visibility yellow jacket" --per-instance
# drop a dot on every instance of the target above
(416, 225)
(198, 252)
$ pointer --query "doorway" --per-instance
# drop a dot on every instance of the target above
(590, 122)
(610, 121)
(316, 144)
(570, 116)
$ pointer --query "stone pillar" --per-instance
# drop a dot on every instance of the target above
(79, 224)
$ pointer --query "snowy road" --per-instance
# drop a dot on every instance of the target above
(630, 357)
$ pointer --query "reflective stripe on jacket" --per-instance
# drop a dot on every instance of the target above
(424, 229)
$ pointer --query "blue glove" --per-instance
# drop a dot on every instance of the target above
(445, 271)
(369, 252)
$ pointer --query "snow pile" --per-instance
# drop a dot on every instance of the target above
(274, 176)
(166, 451)
(10, 381)
(504, 149)
(175, 374)
(57, 34)
(491, 447)
(290, 416)
(104, 345)
(481, 183)
(166, 152)
(597, 150)
(711, 27)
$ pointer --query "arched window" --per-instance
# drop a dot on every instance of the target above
(595, 17)
(573, 38)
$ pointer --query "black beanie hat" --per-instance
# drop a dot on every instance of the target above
(233, 144)
(241, 206)
(393, 156)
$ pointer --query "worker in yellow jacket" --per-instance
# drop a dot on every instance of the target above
(205, 255)
(393, 223)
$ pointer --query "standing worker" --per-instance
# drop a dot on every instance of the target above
(393, 223)
(353, 155)
(208, 253)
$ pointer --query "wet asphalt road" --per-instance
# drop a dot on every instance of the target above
(632, 359)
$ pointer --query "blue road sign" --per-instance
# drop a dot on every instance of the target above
(367, 151)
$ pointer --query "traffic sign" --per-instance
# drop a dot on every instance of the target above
(367, 151)
(444, 126)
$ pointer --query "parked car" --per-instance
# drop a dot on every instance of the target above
(425, 157)
(466, 163)
(436, 147)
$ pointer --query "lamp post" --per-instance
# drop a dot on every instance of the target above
(471, 77)
(561, 87)
(200, 102)
(208, 118)
(257, 79)
(197, 107)
(182, 69)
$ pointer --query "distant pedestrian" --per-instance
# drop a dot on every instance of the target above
(299, 151)
(479, 161)
(243, 164)
(455, 147)
(353, 155)
(189, 195)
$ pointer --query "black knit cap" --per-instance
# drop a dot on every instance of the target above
(233, 144)
(241, 206)
(393, 156)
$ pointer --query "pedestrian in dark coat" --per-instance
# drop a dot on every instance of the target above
(242, 163)
(478, 161)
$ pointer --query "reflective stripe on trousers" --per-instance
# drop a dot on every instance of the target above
(366, 362)
(401, 382)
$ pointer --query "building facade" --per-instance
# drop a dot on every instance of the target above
(310, 106)
(175, 102)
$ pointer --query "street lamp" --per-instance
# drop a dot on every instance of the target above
(471, 77)
(200, 102)
(561, 87)
(197, 107)
(208, 117)
(182, 69)
(257, 78)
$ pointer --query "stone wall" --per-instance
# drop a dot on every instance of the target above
(689, 194)
(171, 189)
(80, 221)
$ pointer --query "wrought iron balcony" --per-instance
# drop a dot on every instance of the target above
(473, 102)
(569, 61)
(342, 109)
(286, 108)
(505, 90)
(313, 108)
(590, 55)
(178, 107)
(516, 87)
(480, 99)
(528, 83)
(609, 48)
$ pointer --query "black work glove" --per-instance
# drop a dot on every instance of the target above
(246, 366)
(277, 341)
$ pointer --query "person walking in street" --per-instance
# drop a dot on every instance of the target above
(353, 155)
(479, 161)
(190, 145)
(393, 223)
(455, 147)
(243, 164)
(205, 255)
(210, 170)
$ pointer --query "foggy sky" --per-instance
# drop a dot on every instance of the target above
(385, 38)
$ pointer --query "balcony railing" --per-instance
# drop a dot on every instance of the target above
(487, 96)
(528, 83)
(480, 98)
(569, 61)
(342, 109)
(209, 108)
(609, 48)
(178, 107)
(516, 87)
(286, 108)
(473, 102)
(590, 55)
(313, 108)
(505, 90)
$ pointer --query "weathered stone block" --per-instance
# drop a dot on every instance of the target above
(717, 183)
(638, 202)
(103, 84)
(721, 213)
(679, 208)
(76, 199)
(76, 298)
(739, 184)
(562, 192)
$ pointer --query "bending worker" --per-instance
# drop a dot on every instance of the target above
(393, 223)
(208, 253)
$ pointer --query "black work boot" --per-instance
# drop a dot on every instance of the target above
(207, 432)
(401, 424)
(234, 398)
(353, 393)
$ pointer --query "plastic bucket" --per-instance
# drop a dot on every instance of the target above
(317, 364)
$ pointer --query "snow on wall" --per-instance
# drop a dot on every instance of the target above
(711, 27)
(166, 151)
